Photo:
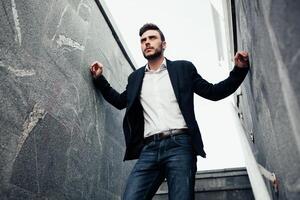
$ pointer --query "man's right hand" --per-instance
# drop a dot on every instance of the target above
(96, 69)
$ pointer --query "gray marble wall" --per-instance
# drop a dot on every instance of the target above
(58, 138)
(270, 31)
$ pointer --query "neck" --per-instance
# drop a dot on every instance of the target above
(155, 63)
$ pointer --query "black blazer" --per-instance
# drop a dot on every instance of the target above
(185, 82)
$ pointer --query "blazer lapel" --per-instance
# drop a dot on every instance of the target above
(173, 77)
(136, 86)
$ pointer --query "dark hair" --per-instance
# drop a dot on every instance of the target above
(150, 26)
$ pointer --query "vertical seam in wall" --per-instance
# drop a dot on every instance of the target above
(115, 35)
(233, 15)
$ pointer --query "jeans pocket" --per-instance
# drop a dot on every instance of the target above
(184, 140)
(148, 145)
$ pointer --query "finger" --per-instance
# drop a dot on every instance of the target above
(94, 63)
(92, 69)
(237, 56)
(244, 53)
(95, 67)
(93, 73)
(241, 58)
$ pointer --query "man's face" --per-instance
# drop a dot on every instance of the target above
(151, 44)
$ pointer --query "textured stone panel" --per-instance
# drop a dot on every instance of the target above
(270, 31)
(59, 139)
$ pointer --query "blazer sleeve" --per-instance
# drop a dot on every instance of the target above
(118, 100)
(220, 90)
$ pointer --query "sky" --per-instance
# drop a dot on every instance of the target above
(189, 32)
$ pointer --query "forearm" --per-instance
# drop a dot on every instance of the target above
(230, 85)
(222, 89)
(110, 94)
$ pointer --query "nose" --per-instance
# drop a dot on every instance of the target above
(147, 42)
(147, 45)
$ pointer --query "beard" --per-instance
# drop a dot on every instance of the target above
(157, 54)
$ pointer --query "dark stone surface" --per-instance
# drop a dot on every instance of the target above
(270, 31)
(58, 139)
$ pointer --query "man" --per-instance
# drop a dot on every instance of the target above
(159, 124)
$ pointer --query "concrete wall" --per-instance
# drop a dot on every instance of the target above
(58, 139)
(269, 105)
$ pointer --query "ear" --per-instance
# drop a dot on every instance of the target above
(164, 45)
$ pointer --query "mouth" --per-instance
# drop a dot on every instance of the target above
(148, 49)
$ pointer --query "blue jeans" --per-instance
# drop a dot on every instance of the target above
(172, 158)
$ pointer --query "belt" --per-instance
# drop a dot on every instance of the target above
(164, 135)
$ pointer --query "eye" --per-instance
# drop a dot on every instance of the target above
(143, 40)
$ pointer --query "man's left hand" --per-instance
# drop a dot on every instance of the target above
(241, 59)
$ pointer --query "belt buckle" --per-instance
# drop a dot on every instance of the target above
(165, 134)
